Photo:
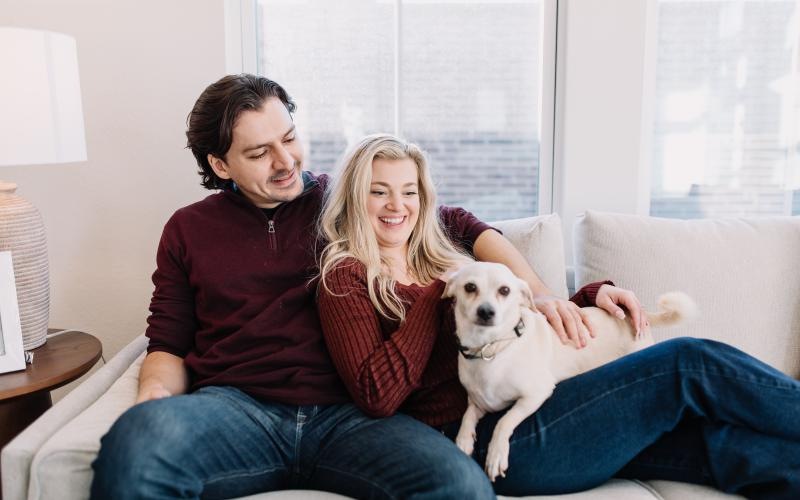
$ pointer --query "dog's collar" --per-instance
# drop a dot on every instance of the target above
(486, 351)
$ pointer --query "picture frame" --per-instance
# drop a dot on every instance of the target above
(12, 355)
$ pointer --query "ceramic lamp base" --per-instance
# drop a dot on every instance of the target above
(22, 232)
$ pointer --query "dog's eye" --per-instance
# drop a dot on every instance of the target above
(503, 290)
(470, 288)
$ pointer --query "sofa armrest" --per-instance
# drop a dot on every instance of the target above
(18, 455)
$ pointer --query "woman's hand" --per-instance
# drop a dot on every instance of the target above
(610, 298)
(567, 319)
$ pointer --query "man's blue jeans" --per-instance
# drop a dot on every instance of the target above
(687, 410)
(220, 443)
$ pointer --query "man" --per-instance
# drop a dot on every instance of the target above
(237, 393)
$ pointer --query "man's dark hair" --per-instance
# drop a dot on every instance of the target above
(211, 121)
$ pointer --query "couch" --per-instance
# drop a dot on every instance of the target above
(743, 273)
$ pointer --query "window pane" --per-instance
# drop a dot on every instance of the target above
(467, 89)
(336, 60)
(727, 117)
(469, 95)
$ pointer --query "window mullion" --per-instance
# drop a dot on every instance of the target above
(550, 109)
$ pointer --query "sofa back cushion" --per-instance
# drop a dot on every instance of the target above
(744, 275)
(541, 241)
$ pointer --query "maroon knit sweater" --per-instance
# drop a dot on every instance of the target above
(387, 366)
(234, 297)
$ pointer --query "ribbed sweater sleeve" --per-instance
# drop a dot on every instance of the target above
(378, 372)
(587, 295)
(462, 227)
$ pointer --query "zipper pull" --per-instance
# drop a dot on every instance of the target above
(271, 226)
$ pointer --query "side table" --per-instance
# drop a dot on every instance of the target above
(25, 395)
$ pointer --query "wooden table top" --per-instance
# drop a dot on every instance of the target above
(59, 361)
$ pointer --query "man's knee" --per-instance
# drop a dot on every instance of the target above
(153, 426)
(136, 443)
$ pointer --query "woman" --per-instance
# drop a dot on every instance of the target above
(687, 409)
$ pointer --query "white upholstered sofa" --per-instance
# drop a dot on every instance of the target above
(744, 275)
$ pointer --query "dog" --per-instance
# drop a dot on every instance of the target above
(511, 357)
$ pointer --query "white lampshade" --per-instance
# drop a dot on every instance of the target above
(41, 118)
(41, 122)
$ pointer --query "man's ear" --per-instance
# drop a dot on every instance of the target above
(527, 295)
(219, 166)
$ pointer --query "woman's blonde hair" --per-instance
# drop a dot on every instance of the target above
(346, 228)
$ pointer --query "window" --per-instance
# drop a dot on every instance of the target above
(463, 79)
(727, 109)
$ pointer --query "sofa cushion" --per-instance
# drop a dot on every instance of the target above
(541, 241)
(615, 489)
(671, 490)
(742, 273)
(62, 468)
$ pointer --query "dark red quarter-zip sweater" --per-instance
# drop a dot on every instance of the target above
(233, 297)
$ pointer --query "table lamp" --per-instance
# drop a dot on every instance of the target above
(41, 122)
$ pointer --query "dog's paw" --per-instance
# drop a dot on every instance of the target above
(466, 442)
(497, 459)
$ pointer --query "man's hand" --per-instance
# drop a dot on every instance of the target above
(152, 391)
(567, 319)
(610, 298)
(162, 375)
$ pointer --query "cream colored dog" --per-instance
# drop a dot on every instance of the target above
(511, 357)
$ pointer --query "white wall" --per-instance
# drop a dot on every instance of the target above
(142, 65)
(600, 116)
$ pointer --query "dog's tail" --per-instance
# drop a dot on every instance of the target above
(673, 308)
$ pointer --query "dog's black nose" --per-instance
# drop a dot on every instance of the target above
(485, 312)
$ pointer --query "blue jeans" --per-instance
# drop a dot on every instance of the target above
(219, 443)
(687, 410)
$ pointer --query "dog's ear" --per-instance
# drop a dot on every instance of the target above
(450, 288)
(527, 295)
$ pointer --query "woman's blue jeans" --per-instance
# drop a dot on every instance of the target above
(220, 443)
(687, 410)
